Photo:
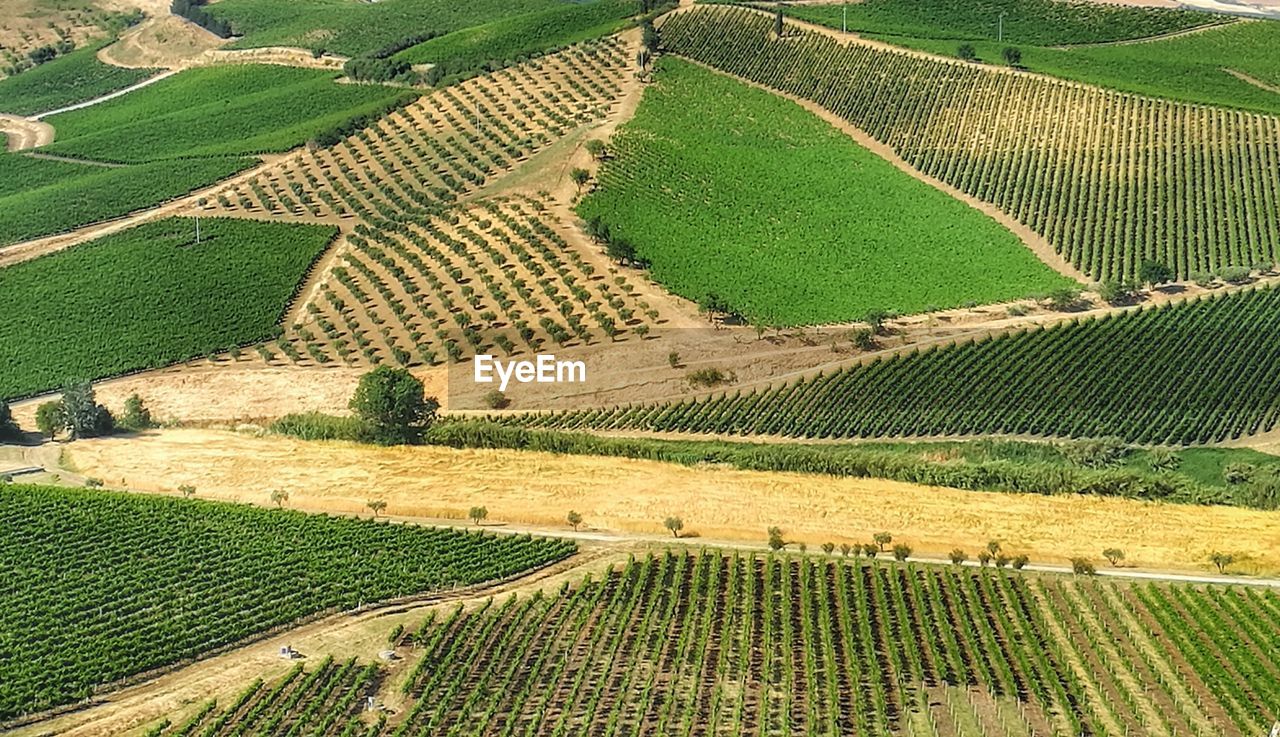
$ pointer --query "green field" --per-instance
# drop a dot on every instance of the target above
(355, 28)
(1192, 68)
(75, 77)
(711, 643)
(101, 585)
(1203, 371)
(234, 109)
(507, 39)
(1031, 22)
(54, 196)
(730, 190)
(148, 297)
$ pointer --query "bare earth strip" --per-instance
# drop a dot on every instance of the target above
(1253, 81)
(25, 133)
(630, 497)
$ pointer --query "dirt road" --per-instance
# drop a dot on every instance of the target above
(25, 133)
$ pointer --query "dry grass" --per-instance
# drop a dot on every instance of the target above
(633, 497)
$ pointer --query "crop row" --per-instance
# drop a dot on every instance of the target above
(707, 644)
(1109, 179)
(1198, 372)
(100, 586)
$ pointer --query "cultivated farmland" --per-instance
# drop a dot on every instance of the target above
(135, 582)
(69, 79)
(1199, 372)
(148, 297)
(1109, 179)
(708, 644)
(728, 190)
(236, 109)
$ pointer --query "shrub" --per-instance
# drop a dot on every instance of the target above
(1083, 567)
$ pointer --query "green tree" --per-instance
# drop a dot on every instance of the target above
(49, 419)
(1083, 567)
(828, 548)
(8, 428)
(1020, 562)
(1154, 273)
(1012, 56)
(478, 514)
(391, 404)
(967, 52)
(882, 539)
(984, 558)
(776, 541)
(777, 22)
(901, 552)
(876, 319)
(82, 416)
(279, 497)
(575, 520)
(596, 148)
(845, 549)
(187, 491)
(674, 524)
(136, 415)
(1114, 555)
(958, 556)
(1221, 561)
(870, 550)
(377, 506)
(1064, 299)
(580, 177)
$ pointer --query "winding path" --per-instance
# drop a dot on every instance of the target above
(25, 133)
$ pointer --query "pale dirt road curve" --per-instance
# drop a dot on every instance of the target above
(98, 100)
(25, 133)
(1253, 81)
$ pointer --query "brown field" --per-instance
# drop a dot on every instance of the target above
(717, 504)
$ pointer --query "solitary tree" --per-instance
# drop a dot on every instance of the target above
(845, 549)
(596, 148)
(580, 177)
(828, 548)
(1012, 56)
(777, 22)
(1064, 299)
(82, 416)
(575, 520)
(377, 506)
(1020, 562)
(49, 419)
(993, 547)
(775, 539)
(1115, 555)
(958, 556)
(1154, 273)
(8, 428)
(674, 524)
(391, 404)
(187, 491)
(966, 52)
(136, 415)
(1221, 560)
(901, 552)
(984, 558)
(1083, 567)
(478, 514)
(882, 539)
(876, 319)
(870, 550)
(279, 497)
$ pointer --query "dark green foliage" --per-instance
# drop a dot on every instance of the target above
(368, 69)
(393, 407)
(136, 415)
(82, 416)
(193, 10)
(148, 297)
(8, 427)
(102, 585)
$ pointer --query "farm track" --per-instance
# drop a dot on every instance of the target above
(24, 133)
(1252, 80)
(99, 100)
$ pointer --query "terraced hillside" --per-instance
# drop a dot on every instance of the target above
(431, 269)
(709, 644)
(1109, 179)
(1199, 372)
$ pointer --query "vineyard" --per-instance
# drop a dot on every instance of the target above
(1036, 23)
(75, 77)
(101, 586)
(709, 644)
(805, 227)
(1109, 179)
(353, 29)
(429, 272)
(48, 197)
(1198, 372)
(234, 109)
(148, 297)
